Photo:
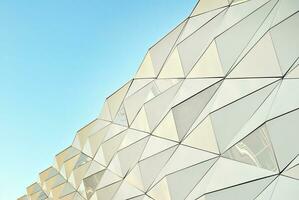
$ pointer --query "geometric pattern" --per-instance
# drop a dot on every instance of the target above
(211, 114)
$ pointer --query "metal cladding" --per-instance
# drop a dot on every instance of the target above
(212, 114)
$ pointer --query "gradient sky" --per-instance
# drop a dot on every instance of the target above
(59, 59)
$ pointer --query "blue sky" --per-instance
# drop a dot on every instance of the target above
(59, 59)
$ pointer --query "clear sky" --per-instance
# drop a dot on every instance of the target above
(59, 59)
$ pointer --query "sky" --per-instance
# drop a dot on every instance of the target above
(59, 60)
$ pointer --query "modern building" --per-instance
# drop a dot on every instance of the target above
(211, 114)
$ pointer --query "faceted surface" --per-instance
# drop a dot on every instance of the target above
(212, 114)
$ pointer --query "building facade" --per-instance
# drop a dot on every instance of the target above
(211, 114)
